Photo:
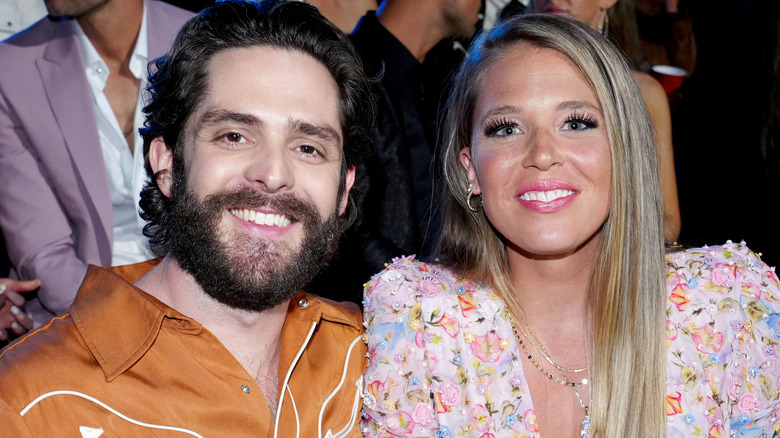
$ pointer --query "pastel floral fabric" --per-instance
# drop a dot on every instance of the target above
(444, 361)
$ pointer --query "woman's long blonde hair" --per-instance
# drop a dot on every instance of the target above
(626, 290)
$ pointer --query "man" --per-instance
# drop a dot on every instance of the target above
(258, 116)
(70, 161)
(397, 196)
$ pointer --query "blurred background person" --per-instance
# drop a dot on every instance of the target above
(16, 15)
(726, 123)
(407, 45)
(71, 165)
(345, 14)
(617, 17)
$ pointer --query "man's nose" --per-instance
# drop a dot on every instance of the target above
(270, 169)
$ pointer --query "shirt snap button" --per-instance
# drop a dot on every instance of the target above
(245, 389)
(303, 302)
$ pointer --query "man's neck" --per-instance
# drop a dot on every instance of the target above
(418, 25)
(113, 29)
(252, 337)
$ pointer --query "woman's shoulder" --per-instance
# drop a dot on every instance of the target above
(729, 280)
(408, 275)
(407, 282)
(723, 322)
(716, 268)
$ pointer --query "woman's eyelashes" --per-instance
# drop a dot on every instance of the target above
(580, 122)
(500, 128)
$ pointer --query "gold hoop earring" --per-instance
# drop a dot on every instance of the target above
(470, 195)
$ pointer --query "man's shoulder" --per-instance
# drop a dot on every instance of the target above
(340, 312)
(48, 359)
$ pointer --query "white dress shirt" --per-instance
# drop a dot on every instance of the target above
(126, 174)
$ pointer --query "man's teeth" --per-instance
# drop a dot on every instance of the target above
(548, 196)
(276, 220)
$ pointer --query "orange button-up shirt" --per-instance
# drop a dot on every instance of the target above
(123, 363)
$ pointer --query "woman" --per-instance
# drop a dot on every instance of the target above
(546, 312)
(596, 14)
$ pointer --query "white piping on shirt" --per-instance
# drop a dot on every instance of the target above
(338, 388)
(287, 380)
(108, 408)
(356, 405)
(295, 408)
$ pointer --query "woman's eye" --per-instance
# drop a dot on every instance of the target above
(501, 130)
(579, 125)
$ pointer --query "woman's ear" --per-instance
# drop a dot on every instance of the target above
(606, 4)
(471, 171)
(161, 160)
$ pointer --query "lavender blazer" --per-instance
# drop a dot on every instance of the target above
(55, 201)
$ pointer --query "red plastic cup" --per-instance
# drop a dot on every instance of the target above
(670, 77)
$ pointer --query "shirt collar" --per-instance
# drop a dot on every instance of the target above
(94, 66)
(120, 322)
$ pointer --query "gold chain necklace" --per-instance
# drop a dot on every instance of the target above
(526, 331)
(565, 381)
(585, 424)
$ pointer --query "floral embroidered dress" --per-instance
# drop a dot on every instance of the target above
(444, 361)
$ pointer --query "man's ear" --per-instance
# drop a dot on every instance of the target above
(349, 181)
(161, 161)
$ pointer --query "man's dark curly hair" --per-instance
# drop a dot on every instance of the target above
(179, 80)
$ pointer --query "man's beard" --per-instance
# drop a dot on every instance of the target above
(246, 272)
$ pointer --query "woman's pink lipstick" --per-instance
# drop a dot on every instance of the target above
(547, 196)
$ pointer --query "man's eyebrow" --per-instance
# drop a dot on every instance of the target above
(214, 117)
(323, 131)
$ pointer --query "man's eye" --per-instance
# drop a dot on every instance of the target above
(233, 137)
(308, 149)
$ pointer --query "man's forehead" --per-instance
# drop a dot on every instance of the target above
(244, 81)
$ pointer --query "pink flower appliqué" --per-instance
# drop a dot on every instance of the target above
(487, 348)
(724, 275)
(450, 325)
(430, 287)
(671, 330)
(752, 289)
(529, 419)
(450, 393)
(480, 418)
(748, 403)
(423, 414)
(678, 296)
(707, 340)
(400, 423)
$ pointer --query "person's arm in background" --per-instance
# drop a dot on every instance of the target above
(40, 240)
(658, 107)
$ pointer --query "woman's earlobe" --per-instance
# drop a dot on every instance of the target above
(471, 172)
